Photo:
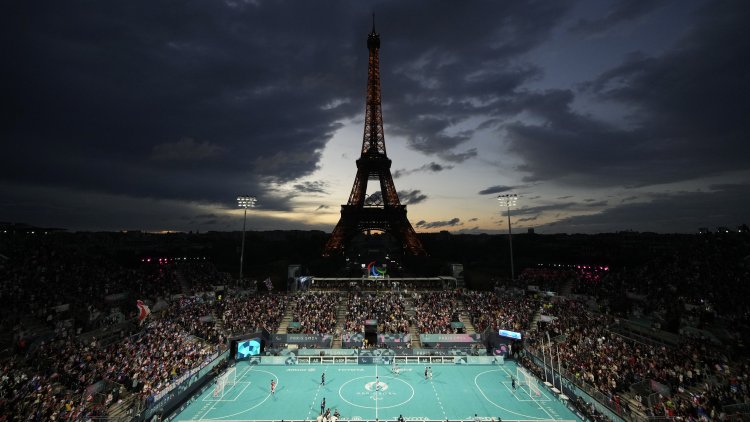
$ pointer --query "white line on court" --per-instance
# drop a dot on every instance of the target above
(214, 404)
(481, 391)
(268, 396)
(377, 387)
(532, 398)
(440, 402)
(315, 399)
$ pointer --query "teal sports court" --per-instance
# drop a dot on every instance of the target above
(375, 392)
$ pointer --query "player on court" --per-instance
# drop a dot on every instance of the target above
(323, 379)
(396, 369)
(273, 387)
(429, 372)
(513, 383)
(323, 406)
(425, 373)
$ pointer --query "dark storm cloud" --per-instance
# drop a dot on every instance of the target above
(199, 101)
(407, 197)
(458, 157)
(312, 187)
(431, 167)
(688, 113)
(434, 81)
(422, 224)
(411, 197)
(675, 212)
(196, 101)
(623, 11)
(186, 150)
(540, 209)
(496, 189)
(596, 204)
(160, 105)
(554, 209)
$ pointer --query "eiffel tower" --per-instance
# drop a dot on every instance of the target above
(360, 213)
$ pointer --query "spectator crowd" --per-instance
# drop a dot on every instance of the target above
(387, 308)
(57, 294)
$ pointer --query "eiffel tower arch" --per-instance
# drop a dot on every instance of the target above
(360, 214)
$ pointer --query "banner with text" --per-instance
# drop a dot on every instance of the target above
(449, 340)
(323, 341)
(394, 339)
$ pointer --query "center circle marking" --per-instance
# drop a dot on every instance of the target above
(371, 384)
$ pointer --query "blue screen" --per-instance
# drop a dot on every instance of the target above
(247, 348)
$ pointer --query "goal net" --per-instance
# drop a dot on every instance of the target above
(525, 378)
(225, 380)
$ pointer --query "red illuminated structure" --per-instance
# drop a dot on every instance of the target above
(360, 215)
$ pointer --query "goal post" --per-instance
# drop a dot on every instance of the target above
(526, 378)
(225, 380)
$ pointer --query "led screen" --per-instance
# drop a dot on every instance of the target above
(247, 348)
(511, 334)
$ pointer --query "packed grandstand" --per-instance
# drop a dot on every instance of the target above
(666, 338)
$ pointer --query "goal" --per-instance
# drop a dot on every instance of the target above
(525, 378)
(225, 380)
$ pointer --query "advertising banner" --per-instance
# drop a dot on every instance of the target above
(394, 339)
(323, 341)
(449, 340)
(353, 339)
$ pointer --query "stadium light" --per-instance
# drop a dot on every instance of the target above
(244, 201)
(509, 200)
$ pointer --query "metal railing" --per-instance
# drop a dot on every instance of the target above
(592, 391)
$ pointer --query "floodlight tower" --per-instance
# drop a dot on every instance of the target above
(244, 201)
(509, 200)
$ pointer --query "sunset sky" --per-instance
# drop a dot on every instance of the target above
(601, 115)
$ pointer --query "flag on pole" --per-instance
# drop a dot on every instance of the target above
(143, 311)
(268, 283)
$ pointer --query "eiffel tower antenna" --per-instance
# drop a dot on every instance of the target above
(358, 215)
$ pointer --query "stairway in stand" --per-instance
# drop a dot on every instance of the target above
(121, 411)
(411, 312)
(537, 316)
(287, 318)
(567, 288)
(416, 343)
(184, 284)
(218, 321)
(464, 317)
(340, 323)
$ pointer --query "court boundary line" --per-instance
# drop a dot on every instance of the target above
(437, 396)
(377, 388)
(544, 403)
(268, 396)
(535, 401)
(505, 384)
(315, 399)
(208, 397)
(215, 402)
(481, 391)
